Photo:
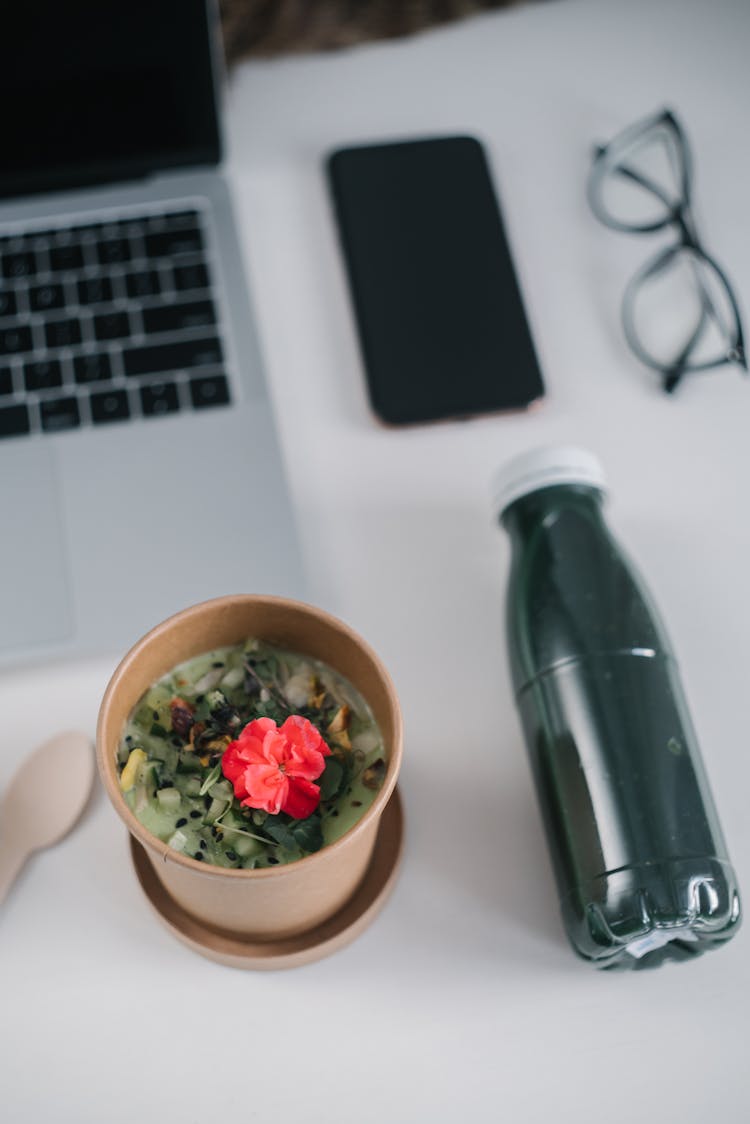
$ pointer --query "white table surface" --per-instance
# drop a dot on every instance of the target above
(463, 999)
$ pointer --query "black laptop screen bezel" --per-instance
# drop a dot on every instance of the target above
(52, 54)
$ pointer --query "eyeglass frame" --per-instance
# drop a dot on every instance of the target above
(680, 216)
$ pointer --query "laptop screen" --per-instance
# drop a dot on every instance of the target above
(95, 91)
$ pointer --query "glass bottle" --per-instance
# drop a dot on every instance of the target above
(639, 857)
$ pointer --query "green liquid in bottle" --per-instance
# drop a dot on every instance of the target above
(639, 857)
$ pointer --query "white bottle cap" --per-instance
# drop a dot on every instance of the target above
(543, 468)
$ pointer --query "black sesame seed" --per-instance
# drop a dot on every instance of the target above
(199, 856)
(272, 861)
(356, 803)
(199, 698)
(204, 845)
(207, 800)
(156, 715)
(218, 663)
(335, 812)
(195, 814)
(181, 821)
(232, 856)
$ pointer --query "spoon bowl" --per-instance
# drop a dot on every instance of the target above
(43, 801)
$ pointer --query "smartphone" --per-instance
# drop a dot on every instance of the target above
(441, 321)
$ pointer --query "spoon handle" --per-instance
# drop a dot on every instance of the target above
(11, 862)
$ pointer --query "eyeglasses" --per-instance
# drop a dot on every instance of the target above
(679, 313)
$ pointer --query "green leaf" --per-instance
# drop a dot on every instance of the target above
(211, 779)
(330, 781)
(308, 834)
(280, 833)
(271, 709)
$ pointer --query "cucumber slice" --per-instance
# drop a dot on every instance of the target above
(178, 840)
(232, 679)
(243, 845)
(169, 799)
(159, 823)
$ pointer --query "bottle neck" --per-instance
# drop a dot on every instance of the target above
(572, 594)
(525, 514)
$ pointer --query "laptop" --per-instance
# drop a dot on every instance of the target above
(140, 470)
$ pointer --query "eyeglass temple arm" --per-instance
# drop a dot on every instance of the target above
(736, 354)
(673, 375)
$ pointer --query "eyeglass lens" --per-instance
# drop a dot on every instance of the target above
(640, 183)
(678, 309)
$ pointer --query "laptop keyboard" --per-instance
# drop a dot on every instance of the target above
(107, 322)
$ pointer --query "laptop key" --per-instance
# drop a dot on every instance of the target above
(8, 304)
(191, 276)
(42, 375)
(169, 243)
(172, 356)
(127, 227)
(62, 258)
(92, 368)
(14, 340)
(211, 391)
(112, 326)
(113, 251)
(95, 290)
(22, 264)
(6, 380)
(62, 333)
(59, 413)
(37, 239)
(159, 398)
(44, 297)
(14, 421)
(110, 406)
(177, 317)
(177, 219)
(142, 284)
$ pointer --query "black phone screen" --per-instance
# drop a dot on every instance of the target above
(441, 321)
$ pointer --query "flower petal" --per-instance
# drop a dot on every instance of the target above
(253, 737)
(302, 798)
(232, 766)
(274, 749)
(266, 788)
(306, 748)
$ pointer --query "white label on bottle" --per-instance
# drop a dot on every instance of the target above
(657, 939)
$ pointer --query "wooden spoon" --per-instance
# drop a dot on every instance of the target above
(43, 801)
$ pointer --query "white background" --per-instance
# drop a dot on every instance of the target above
(463, 999)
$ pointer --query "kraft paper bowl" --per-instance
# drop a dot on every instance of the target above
(281, 901)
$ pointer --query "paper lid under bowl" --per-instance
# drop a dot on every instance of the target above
(544, 468)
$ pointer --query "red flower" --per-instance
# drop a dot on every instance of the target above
(272, 767)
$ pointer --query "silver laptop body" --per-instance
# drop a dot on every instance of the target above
(108, 524)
